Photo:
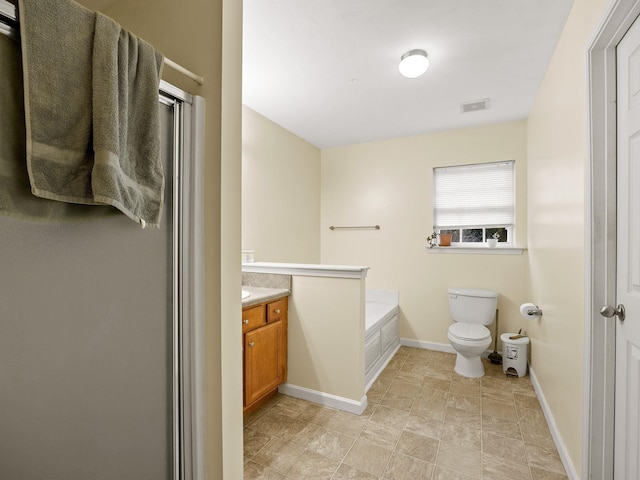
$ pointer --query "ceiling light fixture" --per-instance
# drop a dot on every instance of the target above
(413, 63)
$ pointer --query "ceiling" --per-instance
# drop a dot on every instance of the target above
(327, 70)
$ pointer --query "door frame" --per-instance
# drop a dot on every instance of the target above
(600, 240)
(188, 266)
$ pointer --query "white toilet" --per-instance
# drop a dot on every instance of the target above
(471, 310)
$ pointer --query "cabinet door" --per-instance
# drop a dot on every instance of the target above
(263, 360)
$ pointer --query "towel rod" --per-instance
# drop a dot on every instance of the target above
(179, 68)
(8, 17)
(363, 227)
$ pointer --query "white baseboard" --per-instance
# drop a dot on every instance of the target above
(325, 399)
(555, 433)
(438, 347)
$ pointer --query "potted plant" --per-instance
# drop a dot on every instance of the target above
(445, 239)
(432, 240)
(493, 241)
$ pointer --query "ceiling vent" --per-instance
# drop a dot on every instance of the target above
(475, 106)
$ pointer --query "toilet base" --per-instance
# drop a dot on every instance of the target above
(470, 367)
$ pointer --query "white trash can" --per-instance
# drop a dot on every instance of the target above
(514, 354)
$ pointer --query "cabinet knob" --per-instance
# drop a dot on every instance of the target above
(245, 321)
(251, 344)
(276, 311)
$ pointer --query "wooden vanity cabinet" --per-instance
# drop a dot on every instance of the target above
(264, 343)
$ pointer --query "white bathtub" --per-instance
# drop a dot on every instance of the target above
(382, 339)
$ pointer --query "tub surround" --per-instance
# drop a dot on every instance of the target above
(380, 306)
(382, 339)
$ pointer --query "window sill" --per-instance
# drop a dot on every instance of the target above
(480, 250)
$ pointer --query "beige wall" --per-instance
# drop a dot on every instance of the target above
(557, 143)
(191, 33)
(280, 193)
(390, 183)
(326, 341)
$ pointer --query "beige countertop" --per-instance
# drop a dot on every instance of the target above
(262, 295)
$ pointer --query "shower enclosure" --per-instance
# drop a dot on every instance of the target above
(99, 329)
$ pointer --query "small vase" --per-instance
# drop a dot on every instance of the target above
(493, 242)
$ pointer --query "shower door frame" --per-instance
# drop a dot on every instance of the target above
(188, 284)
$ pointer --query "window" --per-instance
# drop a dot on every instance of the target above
(475, 202)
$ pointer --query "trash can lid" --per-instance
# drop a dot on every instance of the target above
(516, 341)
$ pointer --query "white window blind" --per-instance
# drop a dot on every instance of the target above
(481, 195)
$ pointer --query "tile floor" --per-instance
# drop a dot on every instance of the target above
(423, 421)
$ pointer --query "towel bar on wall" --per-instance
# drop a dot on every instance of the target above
(363, 227)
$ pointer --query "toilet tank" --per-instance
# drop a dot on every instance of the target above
(470, 305)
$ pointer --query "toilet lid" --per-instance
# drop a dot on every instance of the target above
(470, 331)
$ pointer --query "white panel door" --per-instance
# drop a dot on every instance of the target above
(627, 408)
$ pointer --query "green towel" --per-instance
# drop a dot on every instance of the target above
(91, 88)
(16, 199)
(127, 171)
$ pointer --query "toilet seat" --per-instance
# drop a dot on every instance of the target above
(470, 332)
